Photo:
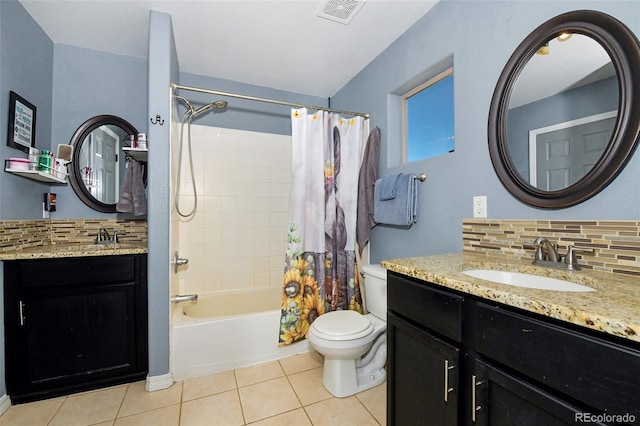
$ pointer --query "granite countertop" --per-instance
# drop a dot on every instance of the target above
(73, 250)
(614, 308)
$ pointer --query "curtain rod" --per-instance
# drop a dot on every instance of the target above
(271, 101)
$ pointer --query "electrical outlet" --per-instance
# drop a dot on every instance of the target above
(480, 206)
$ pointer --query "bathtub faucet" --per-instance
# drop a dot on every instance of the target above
(185, 298)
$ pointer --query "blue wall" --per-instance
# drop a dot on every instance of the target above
(480, 36)
(162, 69)
(27, 58)
(89, 83)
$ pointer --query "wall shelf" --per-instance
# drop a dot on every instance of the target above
(140, 154)
(37, 175)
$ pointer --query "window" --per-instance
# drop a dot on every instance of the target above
(428, 118)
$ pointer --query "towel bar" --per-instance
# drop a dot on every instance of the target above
(421, 177)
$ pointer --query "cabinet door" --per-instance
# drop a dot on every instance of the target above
(85, 327)
(423, 376)
(87, 332)
(501, 399)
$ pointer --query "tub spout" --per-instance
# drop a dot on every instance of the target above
(185, 298)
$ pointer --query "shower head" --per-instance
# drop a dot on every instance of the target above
(213, 105)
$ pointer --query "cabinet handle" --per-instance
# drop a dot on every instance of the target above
(447, 389)
(474, 407)
(21, 312)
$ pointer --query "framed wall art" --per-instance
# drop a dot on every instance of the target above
(22, 123)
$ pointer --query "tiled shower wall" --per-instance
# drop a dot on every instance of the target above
(616, 244)
(236, 240)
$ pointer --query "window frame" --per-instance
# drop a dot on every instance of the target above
(405, 110)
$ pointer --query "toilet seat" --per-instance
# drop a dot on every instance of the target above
(342, 325)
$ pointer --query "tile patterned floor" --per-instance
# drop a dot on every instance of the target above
(284, 392)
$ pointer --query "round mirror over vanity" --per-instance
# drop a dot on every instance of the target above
(98, 166)
(564, 118)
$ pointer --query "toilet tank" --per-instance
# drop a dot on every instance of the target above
(375, 290)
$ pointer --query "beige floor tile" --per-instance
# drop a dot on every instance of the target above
(301, 362)
(208, 385)
(258, 373)
(166, 416)
(375, 400)
(267, 399)
(221, 409)
(308, 386)
(90, 407)
(292, 418)
(138, 400)
(31, 414)
(340, 411)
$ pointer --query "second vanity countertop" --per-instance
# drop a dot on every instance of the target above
(614, 308)
(54, 251)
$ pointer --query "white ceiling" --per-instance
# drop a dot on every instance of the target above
(272, 43)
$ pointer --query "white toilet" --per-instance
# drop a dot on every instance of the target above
(354, 346)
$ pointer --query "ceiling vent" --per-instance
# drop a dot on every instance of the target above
(341, 11)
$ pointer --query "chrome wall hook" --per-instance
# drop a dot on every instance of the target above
(158, 119)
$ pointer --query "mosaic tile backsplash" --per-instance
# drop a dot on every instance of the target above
(616, 244)
(21, 234)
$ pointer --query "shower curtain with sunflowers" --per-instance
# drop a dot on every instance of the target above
(320, 273)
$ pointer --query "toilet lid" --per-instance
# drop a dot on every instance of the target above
(342, 325)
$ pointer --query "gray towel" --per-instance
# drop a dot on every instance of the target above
(401, 210)
(132, 195)
(366, 179)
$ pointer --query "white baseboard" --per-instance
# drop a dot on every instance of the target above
(5, 403)
(155, 383)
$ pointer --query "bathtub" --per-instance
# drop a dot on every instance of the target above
(223, 331)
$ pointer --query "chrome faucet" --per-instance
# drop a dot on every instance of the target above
(103, 237)
(547, 255)
(545, 250)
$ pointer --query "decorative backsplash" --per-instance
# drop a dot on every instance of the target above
(21, 234)
(616, 244)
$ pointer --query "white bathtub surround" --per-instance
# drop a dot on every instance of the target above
(236, 240)
(221, 331)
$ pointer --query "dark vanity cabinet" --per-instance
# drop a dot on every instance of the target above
(457, 359)
(424, 354)
(74, 324)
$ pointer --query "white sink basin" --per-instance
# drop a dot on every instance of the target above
(526, 280)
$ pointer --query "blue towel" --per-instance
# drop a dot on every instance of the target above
(401, 210)
(388, 186)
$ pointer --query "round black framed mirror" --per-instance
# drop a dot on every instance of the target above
(545, 169)
(98, 164)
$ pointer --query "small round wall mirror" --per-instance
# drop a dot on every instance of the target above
(564, 120)
(98, 165)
